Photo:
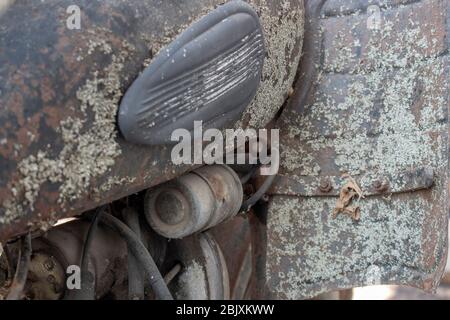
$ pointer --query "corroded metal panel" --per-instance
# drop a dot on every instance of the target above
(60, 150)
(375, 113)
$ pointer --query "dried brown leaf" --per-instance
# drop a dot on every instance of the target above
(347, 194)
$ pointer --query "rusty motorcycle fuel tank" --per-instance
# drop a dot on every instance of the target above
(61, 152)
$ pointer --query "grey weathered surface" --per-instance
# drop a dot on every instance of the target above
(377, 107)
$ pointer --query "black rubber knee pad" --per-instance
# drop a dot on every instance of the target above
(210, 72)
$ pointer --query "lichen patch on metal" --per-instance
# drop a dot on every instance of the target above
(89, 149)
(378, 108)
(283, 32)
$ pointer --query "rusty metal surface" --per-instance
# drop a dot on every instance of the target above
(60, 150)
(373, 105)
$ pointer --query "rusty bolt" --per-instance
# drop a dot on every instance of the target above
(381, 185)
(325, 185)
(51, 279)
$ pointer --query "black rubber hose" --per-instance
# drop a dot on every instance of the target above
(9, 261)
(250, 202)
(244, 179)
(87, 290)
(21, 274)
(275, 162)
(247, 204)
(142, 255)
(135, 276)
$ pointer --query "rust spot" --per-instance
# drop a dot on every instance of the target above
(325, 185)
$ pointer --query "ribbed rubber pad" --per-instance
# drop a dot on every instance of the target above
(210, 72)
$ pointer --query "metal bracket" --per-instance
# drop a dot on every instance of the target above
(372, 185)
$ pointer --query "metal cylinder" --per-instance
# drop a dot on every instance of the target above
(194, 202)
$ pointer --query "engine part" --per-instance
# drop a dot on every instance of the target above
(23, 263)
(204, 274)
(193, 267)
(237, 252)
(135, 276)
(210, 73)
(194, 202)
(5, 269)
(141, 254)
(107, 258)
(87, 291)
(46, 277)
